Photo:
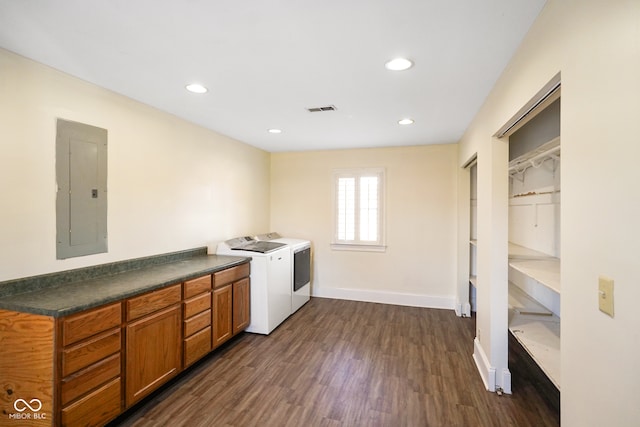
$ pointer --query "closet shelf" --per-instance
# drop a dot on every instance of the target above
(540, 337)
(545, 196)
(521, 252)
(523, 303)
(544, 271)
(535, 158)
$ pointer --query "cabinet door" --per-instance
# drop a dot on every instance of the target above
(241, 305)
(154, 346)
(222, 306)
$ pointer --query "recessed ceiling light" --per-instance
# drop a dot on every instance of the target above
(275, 130)
(405, 121)
(398, 64)
(196, 88)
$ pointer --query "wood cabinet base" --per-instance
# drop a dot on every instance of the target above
(87, 368)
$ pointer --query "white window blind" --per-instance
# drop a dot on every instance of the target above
(358, 206)
(346, 209)
(369, 208)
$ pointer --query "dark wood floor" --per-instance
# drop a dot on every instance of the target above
(346, 363)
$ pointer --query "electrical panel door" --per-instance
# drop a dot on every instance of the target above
(81, 205)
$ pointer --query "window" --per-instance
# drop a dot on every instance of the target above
(358, 209)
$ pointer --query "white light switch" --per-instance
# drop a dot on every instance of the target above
(605, 295)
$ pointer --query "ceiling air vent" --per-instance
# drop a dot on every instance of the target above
(319, 109)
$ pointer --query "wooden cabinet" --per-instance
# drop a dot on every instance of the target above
(153, 341)
(87, 368)
(196, 319)
(231, 303)
(90, 366)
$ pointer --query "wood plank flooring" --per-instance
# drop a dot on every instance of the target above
(347, 363)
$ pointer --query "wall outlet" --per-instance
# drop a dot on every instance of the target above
(605, 295)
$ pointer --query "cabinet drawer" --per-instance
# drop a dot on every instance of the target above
(96, 408)
(153, 301)
(82, 355)
(197, 322)
(87, 379)
(197, 305)
(80, 326)
(196, 346)
(230, 275)
(197, 286)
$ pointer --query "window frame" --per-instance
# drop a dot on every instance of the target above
(357, 244)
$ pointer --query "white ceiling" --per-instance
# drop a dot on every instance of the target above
(266, 61)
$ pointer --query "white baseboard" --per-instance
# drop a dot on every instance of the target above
(386, 297)
(463, 310)
(506, 381)
(487, 372)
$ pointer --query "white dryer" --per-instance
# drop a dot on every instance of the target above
(270, 280)
(300, 267)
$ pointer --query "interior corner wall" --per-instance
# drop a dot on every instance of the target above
(594, 44)
(172, 185)
(419, 265)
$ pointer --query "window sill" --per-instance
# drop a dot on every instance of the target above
(357, 247)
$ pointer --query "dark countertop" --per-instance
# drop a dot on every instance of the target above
(67, 298)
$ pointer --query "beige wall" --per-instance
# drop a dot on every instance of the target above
(596, 46)
(171, 185)
(419, 265)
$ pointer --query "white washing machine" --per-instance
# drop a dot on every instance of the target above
(270, 280)
(300, 267)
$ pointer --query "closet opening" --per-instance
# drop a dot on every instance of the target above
(534, 286)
